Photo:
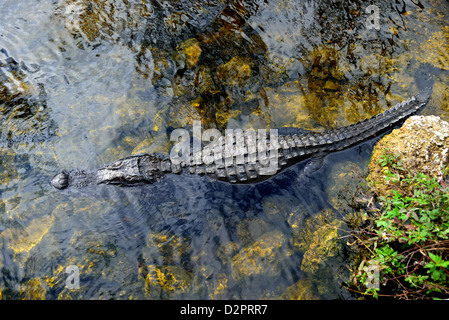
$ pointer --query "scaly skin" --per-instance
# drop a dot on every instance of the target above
(250, 158)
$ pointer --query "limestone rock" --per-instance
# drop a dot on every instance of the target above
(422, 143)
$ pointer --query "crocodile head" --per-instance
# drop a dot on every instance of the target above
(131, 171)
(121, 172)
(134, 170)
(61, 181)
(75, 178)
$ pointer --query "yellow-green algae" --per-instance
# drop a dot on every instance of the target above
(323, 259)
(7, 170)
(95, 20)
(33, 289)
(342, 183)
(23, 240)
(440, 97)
(318, 239)
(263, 257)
(324, 244)
(236, 71)
(287, 106)
(218, 287)
(304, 226)
(167, 281)
(157, 143)
(435, 50)
(170, 247)
(303, 289)
(189, 52)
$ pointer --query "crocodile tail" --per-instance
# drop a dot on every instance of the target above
(341, 138)
(394, 116)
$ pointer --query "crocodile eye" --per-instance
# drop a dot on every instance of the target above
(115, 165)
(60, 181)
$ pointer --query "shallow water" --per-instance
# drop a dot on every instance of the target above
(83, 83)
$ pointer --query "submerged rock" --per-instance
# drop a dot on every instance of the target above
(323, 260)
(8, 171)
(303, 289)
(343, 184)
(324, 244)
(303, 227)
(22, 241)
(250, 229)
(236, 71)
(188, 53)
(33, 289)
(167, 281)
(262, 258)
(318, 239)
(287, 106)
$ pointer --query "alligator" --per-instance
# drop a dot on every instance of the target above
(243, 157)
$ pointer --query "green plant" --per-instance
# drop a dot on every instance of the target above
(408, 234)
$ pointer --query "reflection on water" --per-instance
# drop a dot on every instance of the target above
(85, 82)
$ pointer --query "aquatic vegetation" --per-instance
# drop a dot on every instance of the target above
(188, 53)
(236, 71)
(287, 106)
(436, 49)
(33, 290)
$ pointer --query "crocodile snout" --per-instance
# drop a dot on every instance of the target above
(60, 181)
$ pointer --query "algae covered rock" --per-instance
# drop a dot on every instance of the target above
(236, 71)
(8, 171)
(167, 281)
(303, 226)
(170, 248)
(22, 241)
(343, 184)
(323, 261)
(303, 289)
(422, 144)
(250, 229)
(287, 106)
(158, 143)
(218, 286)
(262, 258)
(324, 244)
(188, 53)
(436, 49)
